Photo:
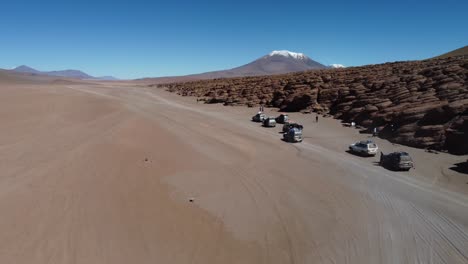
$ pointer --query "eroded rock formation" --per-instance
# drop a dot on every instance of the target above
(418, 103)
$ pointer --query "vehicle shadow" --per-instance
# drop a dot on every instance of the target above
(358, 154)
(284, 140)
(461, 167)
(377, 164)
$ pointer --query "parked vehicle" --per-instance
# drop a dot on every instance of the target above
(282, 119)
(396, 161)
(288, 125)
(367, 147)
(293, 135)
(259, 117)
(269, 122)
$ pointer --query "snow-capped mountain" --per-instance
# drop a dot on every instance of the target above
(287, 53)
(276, 62)
(337, 66)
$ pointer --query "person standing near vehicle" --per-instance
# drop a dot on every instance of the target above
(375, 132)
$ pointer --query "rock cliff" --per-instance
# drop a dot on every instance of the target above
(418, 103)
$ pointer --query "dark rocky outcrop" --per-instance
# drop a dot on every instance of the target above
(418, 103)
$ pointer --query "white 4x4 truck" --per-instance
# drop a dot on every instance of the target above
(368, 148)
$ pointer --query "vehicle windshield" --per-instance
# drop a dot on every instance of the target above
(372, 145)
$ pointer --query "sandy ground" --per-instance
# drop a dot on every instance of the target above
(105, 174)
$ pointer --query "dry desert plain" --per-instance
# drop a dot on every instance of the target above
(116, 172)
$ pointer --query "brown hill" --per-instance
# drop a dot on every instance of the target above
(417, 103)
(455, 53)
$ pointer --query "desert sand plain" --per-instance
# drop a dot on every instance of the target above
(117, 172)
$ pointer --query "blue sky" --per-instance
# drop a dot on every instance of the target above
(131, 39)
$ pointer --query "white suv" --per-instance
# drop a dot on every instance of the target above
(367, 147)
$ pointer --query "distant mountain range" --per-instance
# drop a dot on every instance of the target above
(277, 62)
(76, 74)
